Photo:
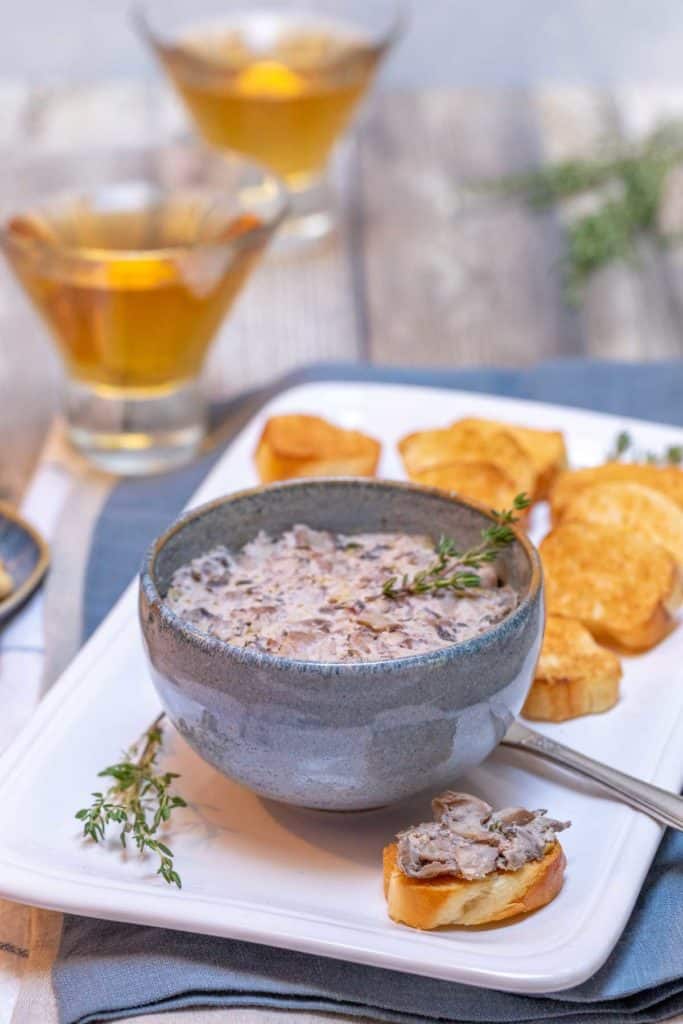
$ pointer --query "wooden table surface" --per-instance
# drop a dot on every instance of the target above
(416, 274)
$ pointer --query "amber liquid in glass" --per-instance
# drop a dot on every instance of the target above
(282, 96)
(131, 298)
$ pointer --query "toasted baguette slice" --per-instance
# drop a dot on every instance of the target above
(545, 448)
(434, 902)
(574, 675)
(298, 446)
(621, 586)
(480, 481)
(468, 441)
(631, 507)
(668, 480)
(499, 444)
(426, 449)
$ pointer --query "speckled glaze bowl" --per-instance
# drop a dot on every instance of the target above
(327, 735)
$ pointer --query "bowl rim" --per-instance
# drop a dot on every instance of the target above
(247, 655)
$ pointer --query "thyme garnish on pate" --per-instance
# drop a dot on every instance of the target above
(140, 801)
(438, 577)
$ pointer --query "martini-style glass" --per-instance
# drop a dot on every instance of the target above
(133, 257)
(276, 80)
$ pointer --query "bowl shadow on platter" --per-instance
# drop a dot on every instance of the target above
(225, 813)
(339, 736)
(236, 821)
(229, 815)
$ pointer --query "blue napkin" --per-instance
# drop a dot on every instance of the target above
(109, 971)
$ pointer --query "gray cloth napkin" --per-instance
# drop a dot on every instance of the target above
(109, 971)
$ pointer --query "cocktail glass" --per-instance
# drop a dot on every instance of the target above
(277, 81)
(133, 257)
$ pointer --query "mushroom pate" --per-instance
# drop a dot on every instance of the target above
(314, 595)
(468, 839)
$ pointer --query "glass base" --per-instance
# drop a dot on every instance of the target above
(130, 435)
(311, 214)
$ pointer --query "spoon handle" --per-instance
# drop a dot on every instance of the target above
(660, 804)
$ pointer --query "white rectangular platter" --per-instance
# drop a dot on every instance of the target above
(312, 881)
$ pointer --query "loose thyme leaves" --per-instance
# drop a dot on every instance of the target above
(632, 180)
(140, 801)
(625, 450)
(440, 575)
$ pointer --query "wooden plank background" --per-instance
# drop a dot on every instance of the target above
(419, 271)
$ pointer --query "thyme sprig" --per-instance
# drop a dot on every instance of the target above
(625, 449)
(440, 576)
(628, 179)
(140, 801)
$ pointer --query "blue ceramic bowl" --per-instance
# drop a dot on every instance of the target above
(327, 735)
(25, 555)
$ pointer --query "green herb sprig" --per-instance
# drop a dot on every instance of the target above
(465, 577)
(625, 449)
(634, 177)
(140, 801)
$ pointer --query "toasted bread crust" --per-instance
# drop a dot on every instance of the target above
(545, 448)
(478, 481)
(435, 902)
(574, 676)
(667, 480)
(308, 446)
(622, 587)
(561, 700)
(469, 441)
(631, 506)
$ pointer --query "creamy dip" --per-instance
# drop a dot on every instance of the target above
(468, 839)
(317, 596)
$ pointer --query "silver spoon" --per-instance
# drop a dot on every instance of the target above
(660, 804)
